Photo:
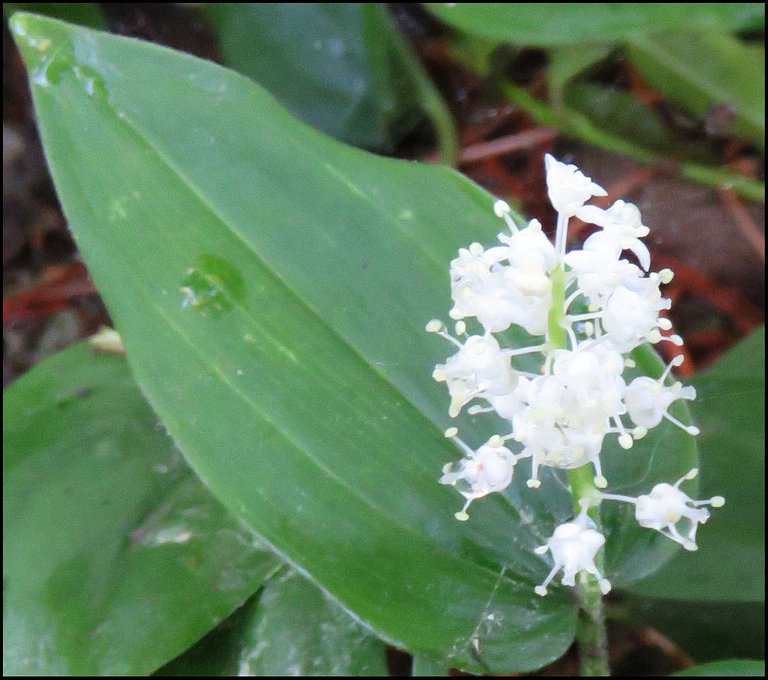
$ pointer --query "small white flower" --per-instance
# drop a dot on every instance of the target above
(622, 229)
(568, 188)
(506, 284)
(488, 300)
(631, 317)
(666, 507)
(600, 272)
(508, 404)
(475, 262)
(573, 546)
(559, 412)
(648, 400)
(478, 368)
(480, 472)
(529, 249)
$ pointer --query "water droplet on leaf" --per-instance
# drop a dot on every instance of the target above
(212, 285)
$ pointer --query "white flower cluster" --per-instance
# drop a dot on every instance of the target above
(592, 308)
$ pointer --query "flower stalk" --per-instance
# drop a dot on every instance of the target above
(593, 307)
(591, 634)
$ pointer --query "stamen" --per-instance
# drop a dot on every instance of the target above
(462, 515)
(600, 482)
(542, 589)
(625, 439)
(618, 497)
(460, 443)
(666, 275)
(583, 317)
(688, 476)
(677, 361)
(525, 350)
(502, 209)
(690, 429)
(450, 338)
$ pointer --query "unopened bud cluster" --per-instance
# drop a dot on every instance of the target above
(587, 310)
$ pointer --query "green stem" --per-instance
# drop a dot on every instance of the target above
(430, 99)
(556, 335)
(590, 631)
(577, 125)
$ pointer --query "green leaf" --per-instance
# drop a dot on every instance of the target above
(706, 72)
(730, 409)
(740, 667)
(82, 13)
(116, 557)
(272, 287)
(421, 666)
(331, 64)
(474, 53)
(561, 23)
(565, 63)
(215, 655)
(624, 116)
(298, 630)
(580, 126)
(290, 628)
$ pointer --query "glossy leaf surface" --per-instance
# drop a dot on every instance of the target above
(558, 23)
(116, 557)
(272, 287)
(298, 630)
(290, 628)
(730, 408)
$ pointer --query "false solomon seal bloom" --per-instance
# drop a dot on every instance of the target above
(585, 310)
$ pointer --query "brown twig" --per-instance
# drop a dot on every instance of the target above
(653, 638)
(507, 144)
(502, 145)
(56, 289)
(743, 220)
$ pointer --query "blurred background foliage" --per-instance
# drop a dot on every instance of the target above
(669, 98)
